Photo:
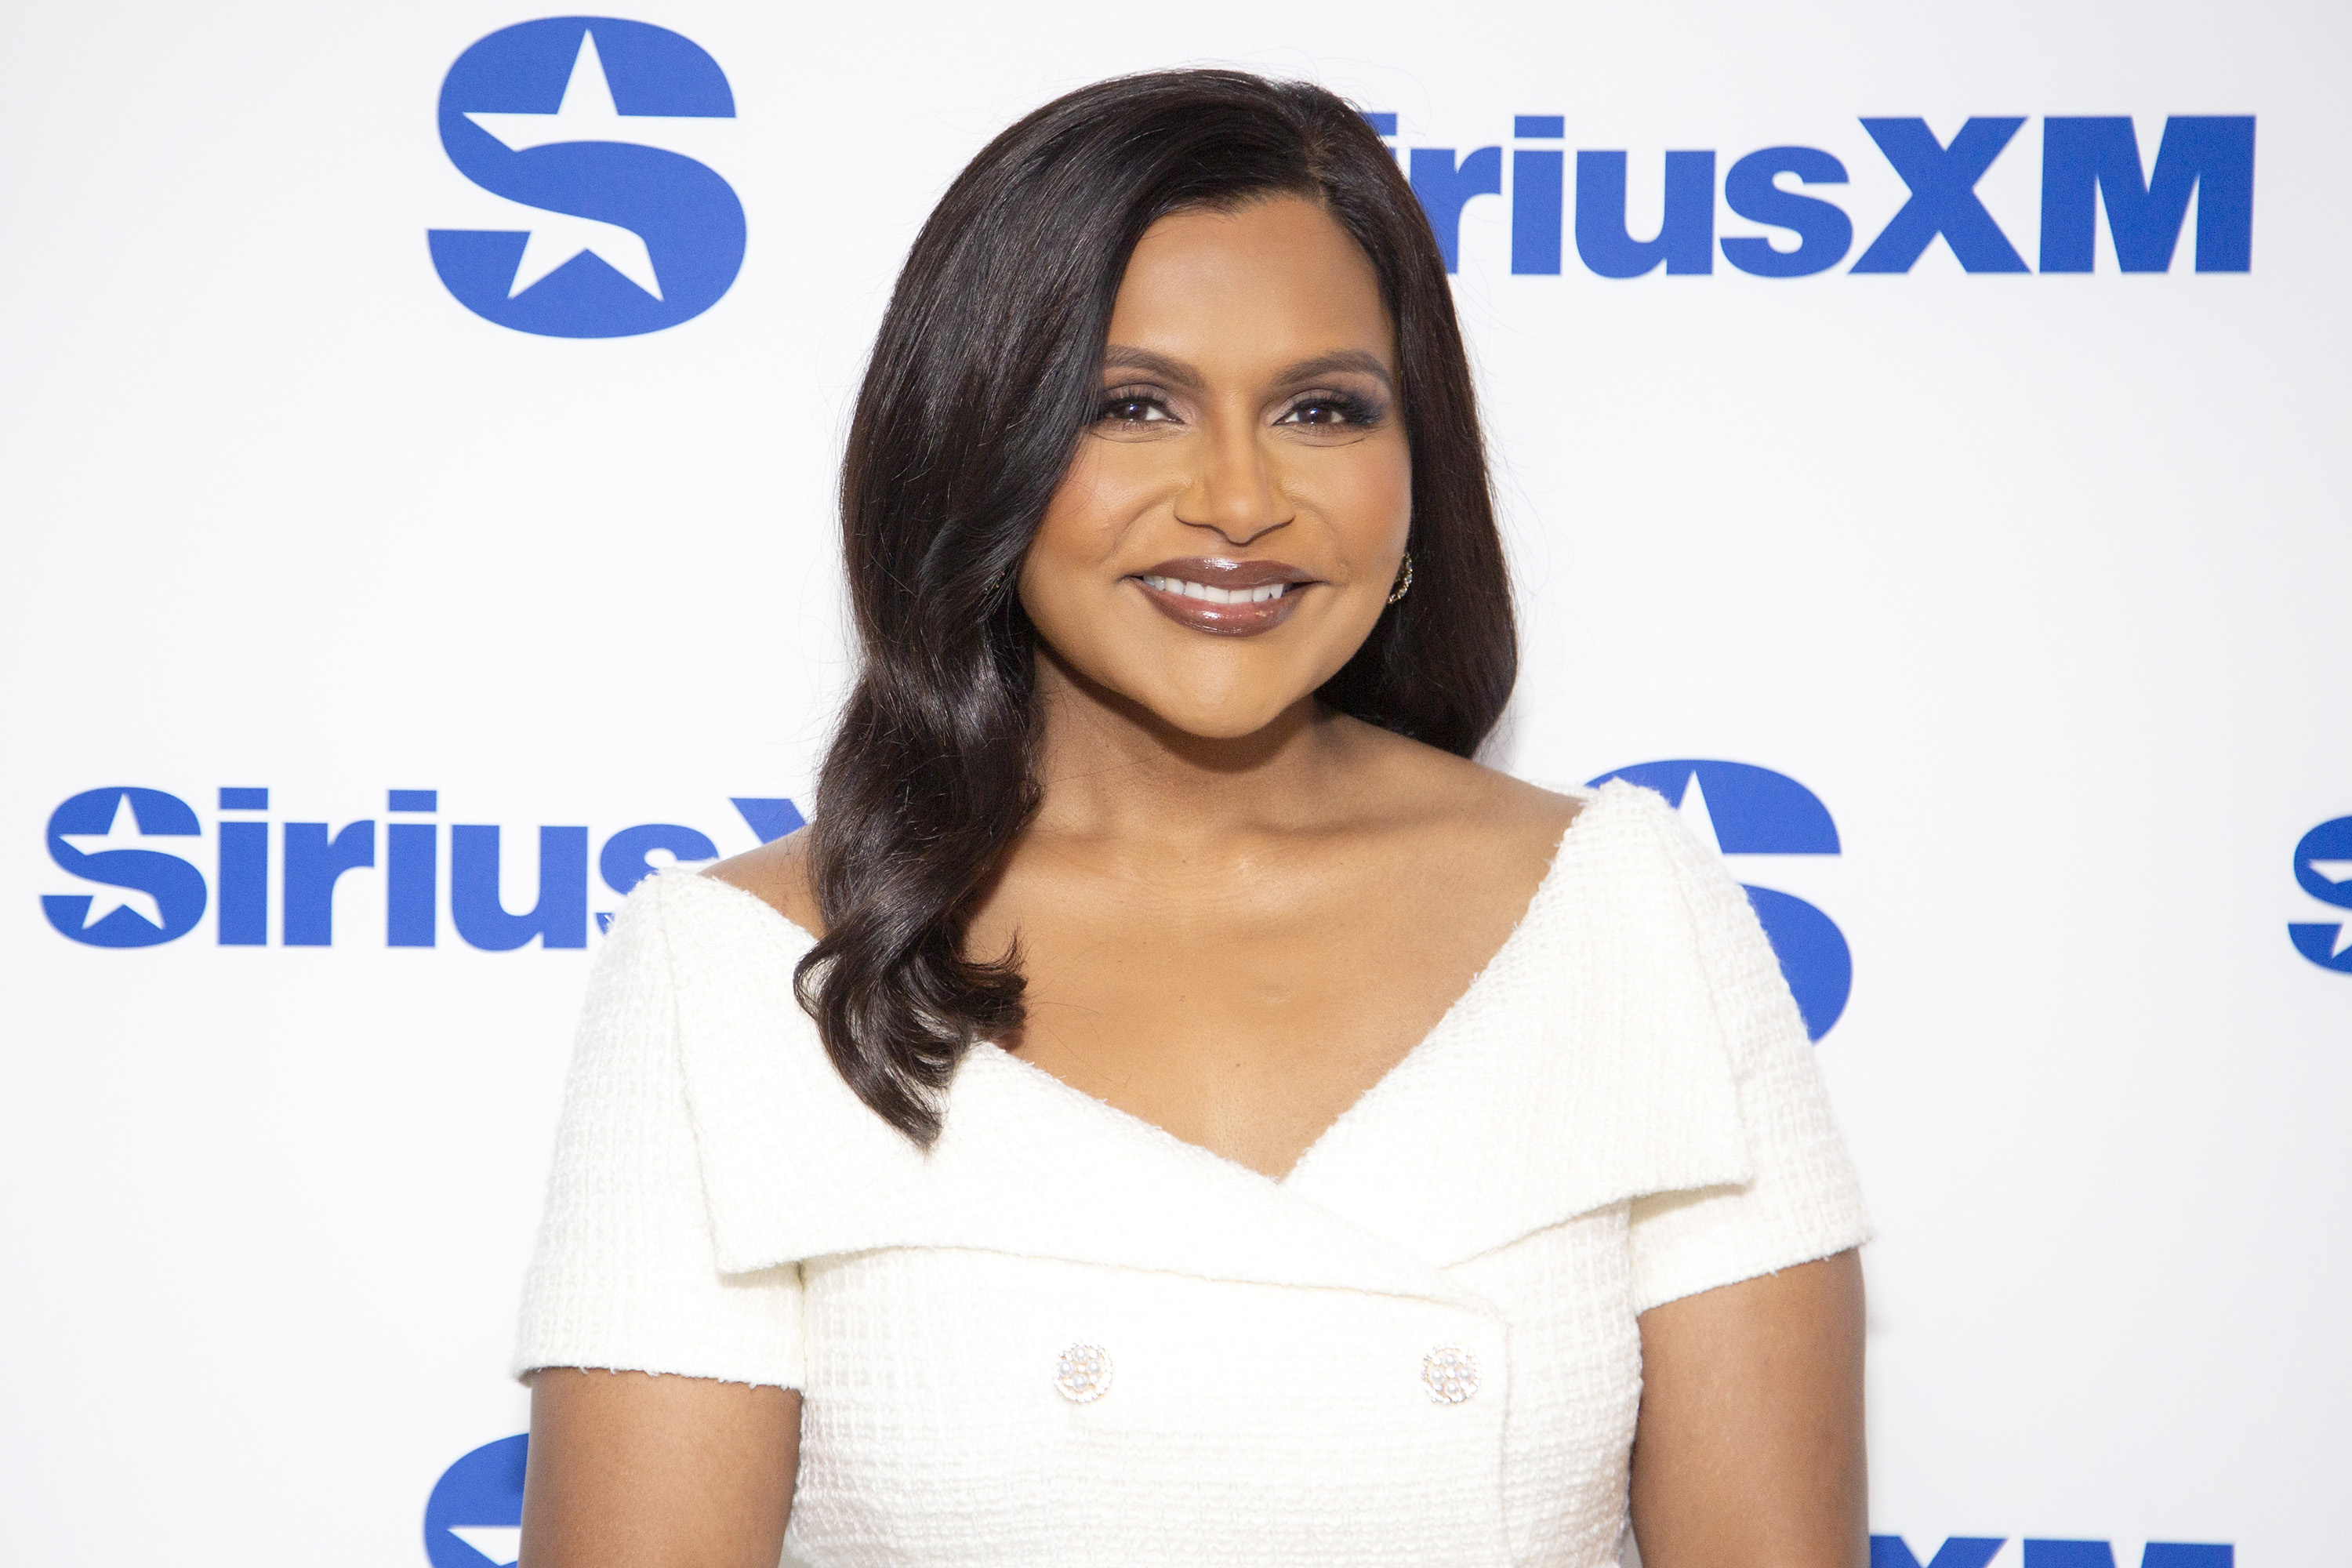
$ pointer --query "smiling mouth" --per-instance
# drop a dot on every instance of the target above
(1209, 593)
(1229, 598)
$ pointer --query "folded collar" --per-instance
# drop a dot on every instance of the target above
(1585, 1066)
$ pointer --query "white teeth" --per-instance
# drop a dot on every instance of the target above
(1214, 595)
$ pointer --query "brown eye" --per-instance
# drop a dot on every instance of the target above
(1133, 408)
(1330, 410)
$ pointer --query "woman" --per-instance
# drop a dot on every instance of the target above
(1172, 1106)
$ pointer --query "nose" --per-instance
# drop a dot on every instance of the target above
(1232, 491)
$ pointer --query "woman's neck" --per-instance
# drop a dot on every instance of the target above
(1110, 769)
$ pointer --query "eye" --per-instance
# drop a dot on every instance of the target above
(1130, 406)
(1325, 410)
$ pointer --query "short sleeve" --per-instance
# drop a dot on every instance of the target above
(1803, 1202)
(625, 1276)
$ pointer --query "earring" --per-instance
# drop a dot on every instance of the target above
(1405, 579)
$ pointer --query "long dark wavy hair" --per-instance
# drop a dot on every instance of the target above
(983, 380)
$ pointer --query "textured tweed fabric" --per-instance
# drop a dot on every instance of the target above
(1064, 1336)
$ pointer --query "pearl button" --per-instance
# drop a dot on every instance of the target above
(1451, 1373)
(1082, 1374)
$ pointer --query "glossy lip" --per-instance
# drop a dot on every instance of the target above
(1214, 571)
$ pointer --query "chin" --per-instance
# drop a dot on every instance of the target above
(1225, 719)
(1218, 728)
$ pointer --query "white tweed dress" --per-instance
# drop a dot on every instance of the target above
(1066, 1337)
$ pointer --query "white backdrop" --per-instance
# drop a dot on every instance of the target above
(2034, 580)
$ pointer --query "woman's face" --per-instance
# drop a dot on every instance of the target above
(1232, 524)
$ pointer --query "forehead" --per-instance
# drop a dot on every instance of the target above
(1273, 282)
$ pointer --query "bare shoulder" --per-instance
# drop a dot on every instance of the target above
(1545, 813)
(777, 874)
(1468, 798)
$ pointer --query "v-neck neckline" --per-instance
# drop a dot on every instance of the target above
(1479, 983)
(1547, 1090)
(1419, 1051)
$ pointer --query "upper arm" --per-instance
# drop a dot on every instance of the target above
(629, 1470)
(1748, 1449)
(691, 1468)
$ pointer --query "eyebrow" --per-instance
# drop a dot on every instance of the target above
(1178, 373)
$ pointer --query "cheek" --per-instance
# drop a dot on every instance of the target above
(1369, 500)
(1108, 488)
(1062, 577)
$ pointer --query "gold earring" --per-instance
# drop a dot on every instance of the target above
(1405, 579)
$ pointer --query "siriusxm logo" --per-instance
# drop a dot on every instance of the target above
(2323, 865)
(2086, 160)
(1742, 809)
(127, 841)
(1977, 1551)
(475, 1514)
(578, 118)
